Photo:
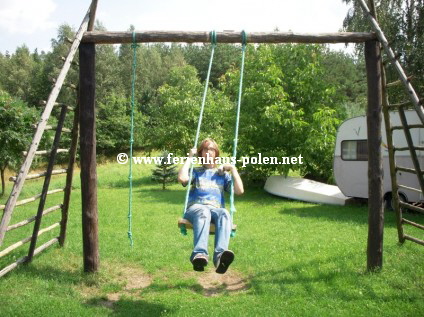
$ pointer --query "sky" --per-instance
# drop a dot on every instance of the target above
(35, 22)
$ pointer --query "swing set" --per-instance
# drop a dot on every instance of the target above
(85, 43)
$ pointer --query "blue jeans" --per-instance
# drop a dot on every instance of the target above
(201, 217)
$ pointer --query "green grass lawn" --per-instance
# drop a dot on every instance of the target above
(292, 259)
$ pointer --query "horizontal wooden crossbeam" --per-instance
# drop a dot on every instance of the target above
(98, 37)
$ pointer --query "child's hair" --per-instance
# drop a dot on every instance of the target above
(203, 145)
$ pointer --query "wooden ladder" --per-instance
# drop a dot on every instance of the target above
(402, 124)
(22, 176)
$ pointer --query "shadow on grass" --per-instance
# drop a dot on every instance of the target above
(348, 214)
(131, 307)
(122, 306)
(311, 280)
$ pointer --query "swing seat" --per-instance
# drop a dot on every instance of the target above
(188, 225)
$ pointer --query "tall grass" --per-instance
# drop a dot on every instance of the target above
(292, 259)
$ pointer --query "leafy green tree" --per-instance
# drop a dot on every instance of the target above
(113, 125)
(225, 57)
(402, 22)
(16, 119)
(270, 123)
(285, 104)
(175, 120)
(18, 73)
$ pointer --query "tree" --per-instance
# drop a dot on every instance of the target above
(165, 172)
(175, 119)
(402, 22)
(287, 109)
(16, 119)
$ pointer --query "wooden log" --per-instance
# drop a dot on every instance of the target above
(87, 55)
(93, 9)
(409, 188)
(412, 207)
(375, 162)
(56, 104)
(23, 259)
(412, 149)
(69, 176)
(50, 127)
(105, 37)
(17, 187)
(398, 82)
(407, 170)
(381, 37)
(44, 152)
(12, 266)
(417, 225)
(410, 126)
(26, 240)
(33, 198)
(391, 149)
(29, 220)
(34, 176)
(405, 148)
(407, 237)
(46, 184)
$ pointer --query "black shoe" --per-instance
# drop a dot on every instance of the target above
(224, 261)
(199, 262)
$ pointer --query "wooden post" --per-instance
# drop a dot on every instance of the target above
(375, 163)
(46, 183)
(87, 55)
(69, 175)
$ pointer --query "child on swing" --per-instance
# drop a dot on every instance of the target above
(206, 205)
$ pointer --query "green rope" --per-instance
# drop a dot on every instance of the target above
(183, 229)
(134, 64)
(244, 42)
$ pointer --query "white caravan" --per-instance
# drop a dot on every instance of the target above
(351, 158)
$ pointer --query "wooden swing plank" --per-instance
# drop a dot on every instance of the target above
(188, 225)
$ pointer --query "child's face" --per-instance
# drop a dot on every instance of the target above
(209, 148)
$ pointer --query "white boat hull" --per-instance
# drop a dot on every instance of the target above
(305, 190)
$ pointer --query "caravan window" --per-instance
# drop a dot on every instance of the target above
(355, 150)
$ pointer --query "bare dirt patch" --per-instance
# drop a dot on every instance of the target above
(129, 278)
(214, 284)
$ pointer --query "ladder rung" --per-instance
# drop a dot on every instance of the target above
(54, 128)
(33, 176)
(403, 104)
(31, 199)
(47, 152)
(409, 188)
(29, 220)
(412, 223)
(411, 126)
(417, 148)
(411, 207)
(413, 239)
(398, 82)
(24, 259)
(57, 104)
(406, 169)
(23, 241)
